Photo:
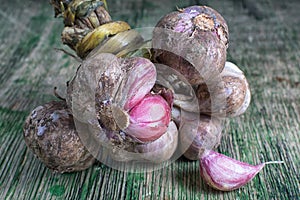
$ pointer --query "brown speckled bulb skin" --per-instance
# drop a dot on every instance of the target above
(49, 132)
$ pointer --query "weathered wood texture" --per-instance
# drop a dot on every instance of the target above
(264, 42)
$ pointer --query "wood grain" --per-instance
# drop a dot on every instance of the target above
(266, 48)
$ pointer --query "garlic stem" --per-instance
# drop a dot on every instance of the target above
(274, 162)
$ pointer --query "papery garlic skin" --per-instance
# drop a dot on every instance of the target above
(224, 173)
(149, 119)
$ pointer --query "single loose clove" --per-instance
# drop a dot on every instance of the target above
(224, 173)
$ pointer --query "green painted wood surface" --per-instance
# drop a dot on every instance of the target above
(264, 42)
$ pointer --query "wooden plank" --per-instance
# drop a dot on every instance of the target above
(266, 48)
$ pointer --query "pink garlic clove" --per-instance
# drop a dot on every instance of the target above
(224, 173)
(149, 118)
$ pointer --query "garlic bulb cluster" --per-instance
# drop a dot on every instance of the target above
(145, 111)
(193, 41)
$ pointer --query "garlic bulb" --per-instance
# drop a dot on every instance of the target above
(127, 120)
(50, 133)
(237, 90)
(193, 41)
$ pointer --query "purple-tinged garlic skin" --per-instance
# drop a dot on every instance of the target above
(50, 133)
(224, 173)
(208, 136)
(235, 89)
(149, 119)
(192, 40)
(208, 19)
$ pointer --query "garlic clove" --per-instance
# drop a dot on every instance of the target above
(238, 93)
(176, 115)
(157, 151)
(161, 149)
(149, 119)
(234, 89)
(224, 173)
(139, 80)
